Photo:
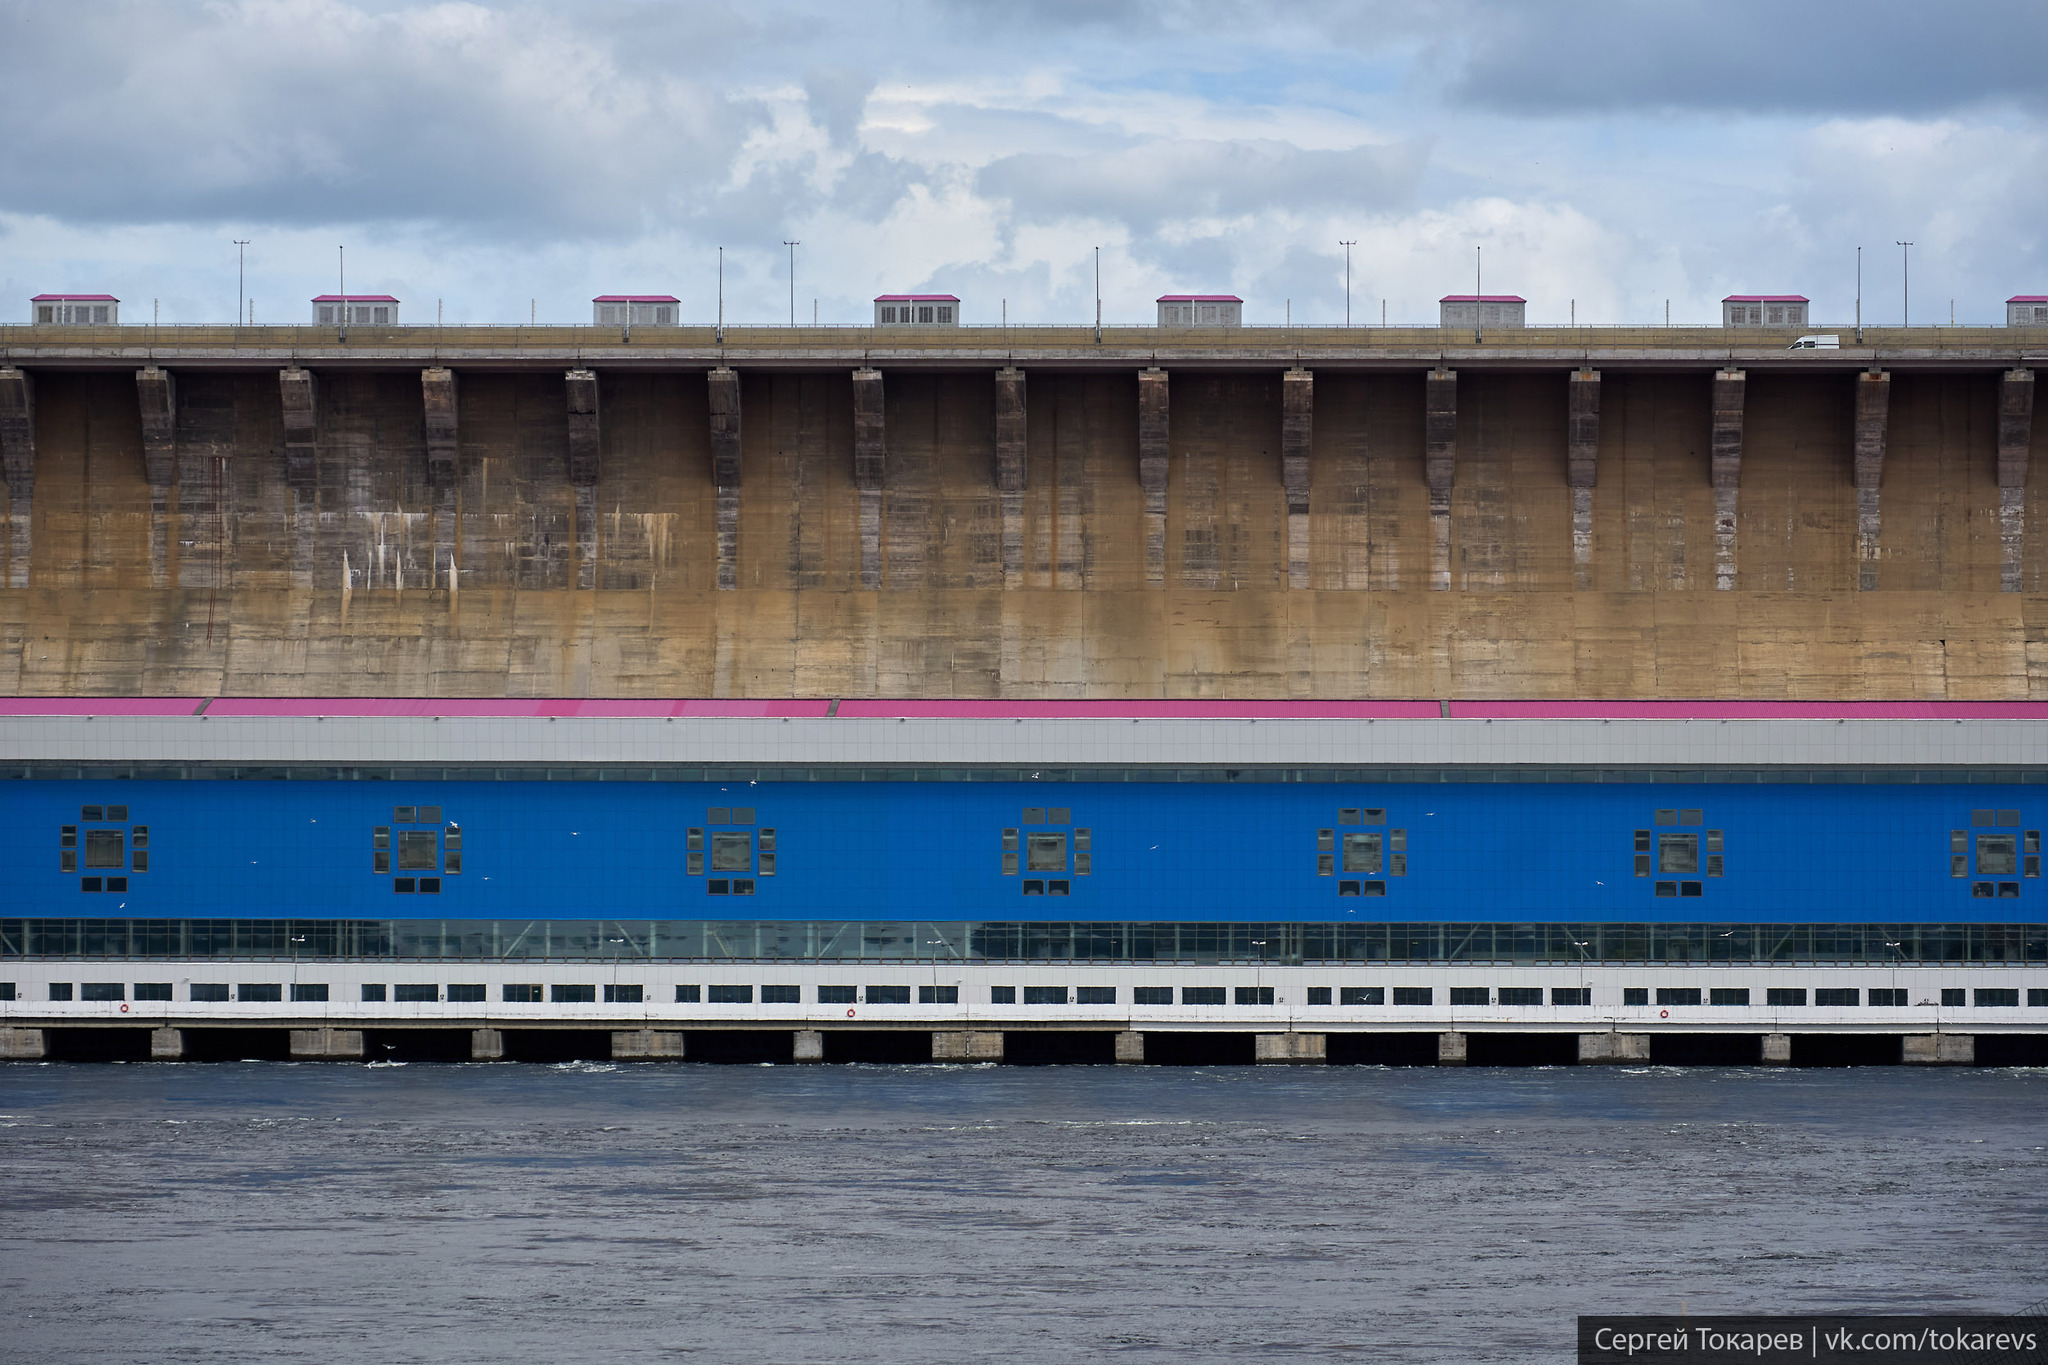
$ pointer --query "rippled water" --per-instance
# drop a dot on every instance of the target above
(588, 1212)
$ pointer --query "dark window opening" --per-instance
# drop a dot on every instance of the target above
(1318, 995)
(1201, 995)
(1471, 995)
(421, 994)
(303, 993)
(161, 990)
(1885, 998)
(718, 886)
(373, 995)
(1347, 888)
(1034, 888)
(1667, 888)
(139, 862)
(1253, 995)
(1002, 995)
(1826, 996)
(102, 990)
(92, 813)
(1785, 997)
(67, 836)
(403, 885)
(743, 886)
(1373, 888)
(430, 886)
(466, 995)
(1350, 815)
(1952, 996)
(613, 995)
(1045, 995)
(105, 848)
(1521, 995)
(938, 995)
(1689, 888)
(1678, 995)
(90, 884)
(1375, 815)
(1996, 997)
(838, 995)
(1095, 995)
(781, 995)
(1571, 995)
(1980, 891)
(61, 990)
(887, 995)
(1414, 995)
(732, 995)
(401, 815)
(2008, 891)
(521, 994)
(573, 995)
(687, 995)
(1728, 995)
(1364, 995)
(732, 852)
(1151, 995)
(1635, 995)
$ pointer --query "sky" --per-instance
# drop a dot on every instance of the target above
(495, 162)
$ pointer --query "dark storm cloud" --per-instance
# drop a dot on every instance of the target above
(309, 111)
(1161, 181)
(1852, 57)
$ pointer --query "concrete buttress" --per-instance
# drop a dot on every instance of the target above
(1451, 1049)
(1130, 1046)
(1582, 453)
(1154, 456)
(870, 464)
(1290, 1047)
(156, 394)
(585, 454)
(437, 396)
(21, 1045)
(1873, 413)
(1012, 471)
(300, 397)
(18, 459)
(167, 1045)
(2015, 438)
(986, 1046)
(724, 393)
(1440, 460)
(808, 1045)
(1297, 439)
(1730, 400)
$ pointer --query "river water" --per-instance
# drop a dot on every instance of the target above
(260, 1212)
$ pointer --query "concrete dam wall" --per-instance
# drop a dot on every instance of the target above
(1043, 533)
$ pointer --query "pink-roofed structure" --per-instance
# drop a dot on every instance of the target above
(917, 310)
(1482, 310)
(1201, 310)
(645, 310)
(2027, 310)
(359, 310)
(90, 310)
(1764, 310)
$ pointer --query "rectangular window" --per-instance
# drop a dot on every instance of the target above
(429, 815)
(1151, 995)
(1375, 815)
(139, 862)
(1009, 864)
(1347, 888)
(1678, 995)
(161, 990)
(693, 840)
(1952, 996)
(1095, 995)
(2008, 818)
(259, 993)
(67, 861)
(104, 848)
(2032, 864)
(373, 995)
(838, 995)
(1397, 841)
(1994, 998)
(1253, 995)
(1667, 888)
(418, 850)
(2035, 998)
(1980, 891)
(1045, 995)
(1084, 839)
(1882, 998)
(208, 992)
(718, 815)
(1678, 853)
(1034, 815)
(118, 814)
(1362, 853)
(521, 994)
(1980, 819)
(1002, 995)
(938, 995)
(1665, 817)
(1571, 995)
(1201, 995)
(1057, 888)
(426, 994)
(884, 995)
(1084, 864)
(139, 838)
(732, 852)
(693, 864)
(1959, 865)
(1319, 995)
(102, 990)
(468, 995)
(452, 864)
(430, 886)
(689, 995)
(1825, 997)
(1635, 995)
(573, 995)
(1414, 995)
(1785, 997)
(1363, 995)
(768, 839)
(2032, 842)
(303, 993)
(1728, 995)
(401, 815)
(92, 812)
(767, 864)
(2006, 890)
(743, 815)
(1692, 817)
(1714, 864)
(1350, 815)
(1521, 995)
(1471, 995)
(732, 995)
(1959, 841)
(781, 995)
(613, 995)
(67, 836)
(1326, 864)
(1060, 815)
(1997, 855)
(1046, 853)
(718, 886)
(61, 990)
(1326, 841)
(93, 884)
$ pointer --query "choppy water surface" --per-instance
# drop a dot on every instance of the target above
(445, 1213)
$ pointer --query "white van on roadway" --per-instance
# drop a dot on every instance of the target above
(1830, 341)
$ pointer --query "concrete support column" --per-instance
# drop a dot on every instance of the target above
(1440, 459)
(1873, 412)
(300, 397)
(1130, 1046)
(967, 1047)
(486, 1045)
(1731, 397)
(586, 458)
(2015, 438)
(18, 459)
(1613, 1049)
(1450, 1049)
(870, 463)
(1290, 1047)
(21, 1045)
(156, 396)
(167, 1045)
(1012, 469)
(723, 385)
(1582, 454)
(444, 452)
(1297, 441)
(331, 1045)
(1939, 1049)
(647, 1045)
(1154, 456)
(1777, 1049)
(809, 1045)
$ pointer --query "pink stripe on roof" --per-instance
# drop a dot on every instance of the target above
(74, 298)
(354, 298)
(99, 706)
(917, 298)
(1749, 710)
(512, 708)
(1482, 298)
(1766, 298)
(636, 298)
(1198, 298)
(2016, 298)
(969, 709)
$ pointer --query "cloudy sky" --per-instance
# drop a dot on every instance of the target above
(501, 159)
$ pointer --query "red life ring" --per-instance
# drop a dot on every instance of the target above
(124, 1008)
(849, 1014)
(1663, 1014)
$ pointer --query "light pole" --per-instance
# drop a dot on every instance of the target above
(792, 279)
(1478, 288)
(240, 242)
(720, 338)
(341, 259)
(1347, 277)
(1098, 296)
(1859, 296)
(1906, 283)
